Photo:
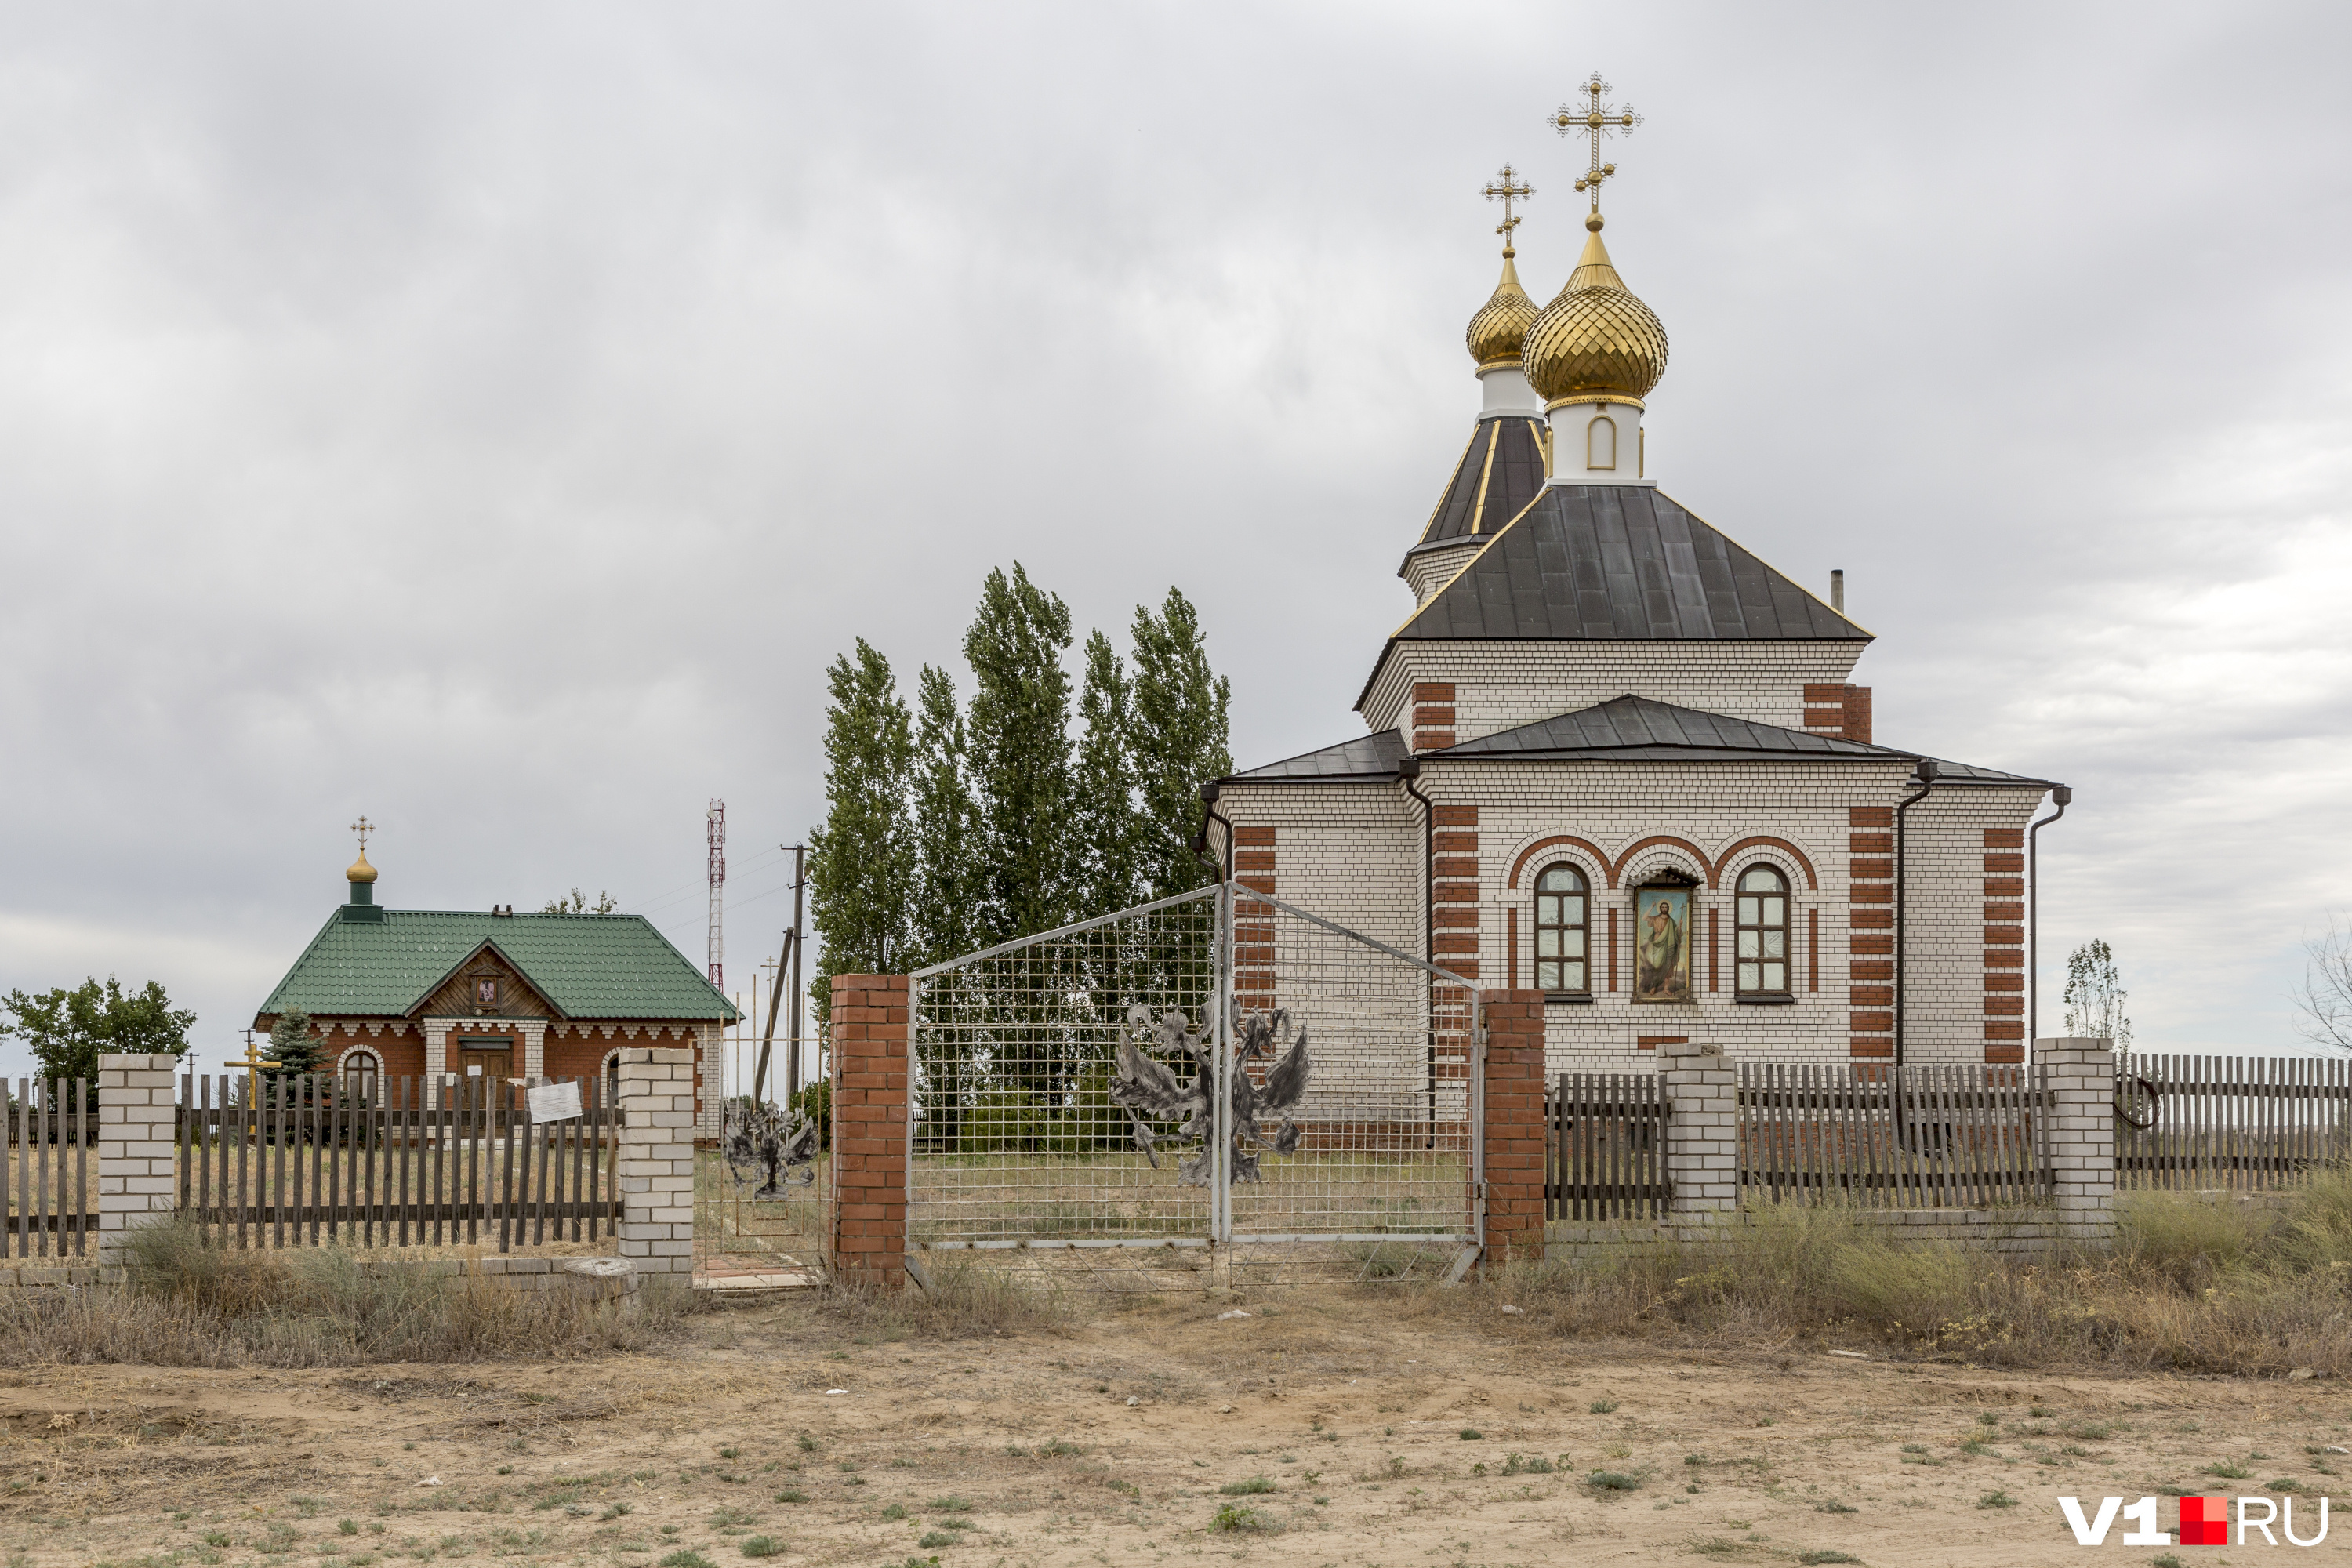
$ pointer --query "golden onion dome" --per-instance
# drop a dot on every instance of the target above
(361, 870)
(1596, 341)
(1499, 330)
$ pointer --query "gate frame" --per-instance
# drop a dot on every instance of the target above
(1219, 1232)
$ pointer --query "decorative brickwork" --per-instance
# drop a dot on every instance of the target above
(1870, 881)
(1838, 709)
(1455, 882)
(1500, 685)
(1254, 945)
(866, 1238)
(1514, 1124)
(1433, 715)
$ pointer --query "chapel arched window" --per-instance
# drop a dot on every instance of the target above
(1601, 442)
(361, 1074)
(1763, 911)
(1561, 913)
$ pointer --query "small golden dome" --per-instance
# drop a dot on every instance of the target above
(1595, 340)
(1499, 330)
(361, 870)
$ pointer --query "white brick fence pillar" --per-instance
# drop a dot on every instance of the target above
(138, 1179)
(656, 1159)
(2080, 1076)
(1702, 1093)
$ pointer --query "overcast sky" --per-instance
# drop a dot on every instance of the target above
(493, 419)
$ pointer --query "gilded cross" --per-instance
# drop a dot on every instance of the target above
(1508, 187)
(362, 827)
(1595, 120)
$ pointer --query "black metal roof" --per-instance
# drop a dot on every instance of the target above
(1637, 729)
(1500, 472)
(1374, 756)
(1621, 562)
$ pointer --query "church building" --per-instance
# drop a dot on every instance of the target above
(1612, 754)
(444, 993)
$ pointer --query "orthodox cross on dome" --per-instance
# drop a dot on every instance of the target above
(1508, 187)
(1594, 120)
(362, 827)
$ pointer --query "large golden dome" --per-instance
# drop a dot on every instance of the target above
(1499, 330)
(1596, 341)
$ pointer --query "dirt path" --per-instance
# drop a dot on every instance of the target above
(1120, 1443)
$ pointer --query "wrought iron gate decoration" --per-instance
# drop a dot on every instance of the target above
(1125, 1095)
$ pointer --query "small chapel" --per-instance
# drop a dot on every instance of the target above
(1612, 754)
(444, 995)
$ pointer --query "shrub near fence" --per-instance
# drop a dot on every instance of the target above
(415, 1163)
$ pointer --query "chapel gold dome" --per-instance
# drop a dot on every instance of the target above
(1499, 330)
(361, 870)
(1596, 340)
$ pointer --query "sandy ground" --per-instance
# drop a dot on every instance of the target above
(1382, 1436)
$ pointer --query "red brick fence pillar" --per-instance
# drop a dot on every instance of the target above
(1514, 1124)
(866, 1235)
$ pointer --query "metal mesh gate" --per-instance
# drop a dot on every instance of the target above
(1383, 1181)
(1121, 1099)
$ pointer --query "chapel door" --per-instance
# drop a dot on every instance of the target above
(494, 1057)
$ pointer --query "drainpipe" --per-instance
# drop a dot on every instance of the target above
(1408, 770)
(1200, 840)
(2062, 797)
(1925, 772)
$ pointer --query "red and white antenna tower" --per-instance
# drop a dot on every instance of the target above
(718, 928)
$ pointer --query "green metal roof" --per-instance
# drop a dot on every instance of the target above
(588, 966)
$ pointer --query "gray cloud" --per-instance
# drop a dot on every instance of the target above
(494, 420)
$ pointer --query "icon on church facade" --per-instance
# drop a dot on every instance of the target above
(1661, 944)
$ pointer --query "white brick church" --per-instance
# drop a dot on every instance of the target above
(1615, 756)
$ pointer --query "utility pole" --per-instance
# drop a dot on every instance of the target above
(799, 940)
(715, 929)
(789, 963)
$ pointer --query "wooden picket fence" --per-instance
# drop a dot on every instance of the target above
(393, 1163)
(2239, 1122)
(49, 1168)
(1604, 1147)
(1884, 1137)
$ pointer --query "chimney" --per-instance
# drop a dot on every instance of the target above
(1837, 589)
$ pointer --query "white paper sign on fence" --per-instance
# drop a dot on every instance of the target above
(555, 1103)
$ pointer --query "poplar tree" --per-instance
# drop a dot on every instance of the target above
(1017, 740)
(947, 880)
(1181, 739)
(1017, 737)
(1104, 788)
(862, 862)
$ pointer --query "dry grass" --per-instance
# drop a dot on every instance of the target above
(964, 1301)
(2225, 1285)
(189, 1305)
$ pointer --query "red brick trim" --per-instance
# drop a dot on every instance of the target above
(1714, 947)
(1612, 947)
(1511, 937)
(1812, 950)
(1617, 872)
(1870, 817)
(1455, 817)
(1608, 872)
(1651, 1042)
(1813, 882)
(1255, 838)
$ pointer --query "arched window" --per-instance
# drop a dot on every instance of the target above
(363, 1075)
(1559, 929)
(1601, 442)
(1763, 932)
